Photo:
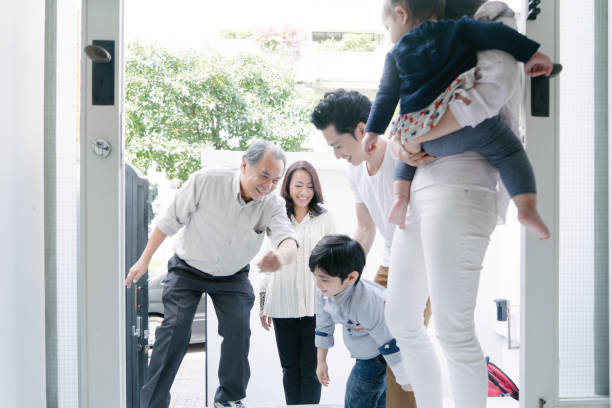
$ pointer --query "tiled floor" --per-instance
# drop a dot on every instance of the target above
(188, 388)
(189, 385)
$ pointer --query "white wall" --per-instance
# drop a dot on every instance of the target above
(22, 293)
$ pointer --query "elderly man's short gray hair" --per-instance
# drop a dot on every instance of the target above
(256, 150)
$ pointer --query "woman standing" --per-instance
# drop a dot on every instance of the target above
(454, 207)
(287, 297)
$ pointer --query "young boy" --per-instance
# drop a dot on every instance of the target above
(337, 262)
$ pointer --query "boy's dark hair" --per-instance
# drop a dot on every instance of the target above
(420, 10)
(338, 255)
(343, 109)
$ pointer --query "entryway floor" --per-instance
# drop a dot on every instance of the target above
(189, 385)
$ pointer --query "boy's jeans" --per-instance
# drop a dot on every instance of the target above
(365, 387)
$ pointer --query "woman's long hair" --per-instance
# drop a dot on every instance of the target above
(315, 203)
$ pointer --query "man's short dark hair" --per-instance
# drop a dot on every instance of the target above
(343, 109)
(337, 255)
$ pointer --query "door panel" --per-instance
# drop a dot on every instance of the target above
(137, 298)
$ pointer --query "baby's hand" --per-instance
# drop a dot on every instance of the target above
(539, 64)
(369, 142)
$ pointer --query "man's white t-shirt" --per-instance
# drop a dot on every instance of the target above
(376, 193)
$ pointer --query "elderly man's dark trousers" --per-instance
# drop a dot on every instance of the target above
(233, 298)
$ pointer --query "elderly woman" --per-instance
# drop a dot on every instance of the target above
(287, 297)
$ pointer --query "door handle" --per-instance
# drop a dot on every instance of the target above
(136, 329)
(540, 92)
(102, 54)
(98, 54)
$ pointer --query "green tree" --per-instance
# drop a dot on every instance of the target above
(179, 103)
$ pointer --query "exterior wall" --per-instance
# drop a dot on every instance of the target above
(22, 294)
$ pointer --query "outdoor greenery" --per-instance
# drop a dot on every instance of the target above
(236, 33)
(286, 40)
(364, 42)
(179, 103)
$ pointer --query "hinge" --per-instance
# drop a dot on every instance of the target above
(534, 10)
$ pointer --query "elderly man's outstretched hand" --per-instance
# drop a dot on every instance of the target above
(270, 262)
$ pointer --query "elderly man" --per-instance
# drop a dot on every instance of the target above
(221, 216)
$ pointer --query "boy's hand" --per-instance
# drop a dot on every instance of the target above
(539, 64)
(369, 142)
(407, 387)
(266, 321)
(322, 373)
(358, 327)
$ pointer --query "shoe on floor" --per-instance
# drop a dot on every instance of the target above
(229, 404)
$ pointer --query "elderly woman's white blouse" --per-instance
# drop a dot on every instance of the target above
(290, 292)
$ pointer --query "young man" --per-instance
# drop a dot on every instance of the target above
(221, 215)
(337, 262)
(341, 117)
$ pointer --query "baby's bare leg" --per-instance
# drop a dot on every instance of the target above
(528, 215)
(401, 198)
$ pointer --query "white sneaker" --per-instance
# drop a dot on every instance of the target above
(229, 404)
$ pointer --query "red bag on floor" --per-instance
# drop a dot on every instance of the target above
(500, 385)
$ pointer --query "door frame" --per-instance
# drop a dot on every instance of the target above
(539, 269)
(102, 301)
(539, 378)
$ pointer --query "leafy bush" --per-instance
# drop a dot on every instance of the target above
(272, 39)
(356, 42)
(237, 33)
(179, 103)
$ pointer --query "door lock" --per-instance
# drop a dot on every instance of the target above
(101, 148)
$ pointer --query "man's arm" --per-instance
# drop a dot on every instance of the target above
(140, 267)
(366, 229)
(283, 255)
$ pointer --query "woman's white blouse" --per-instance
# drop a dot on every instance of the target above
(290, 292)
